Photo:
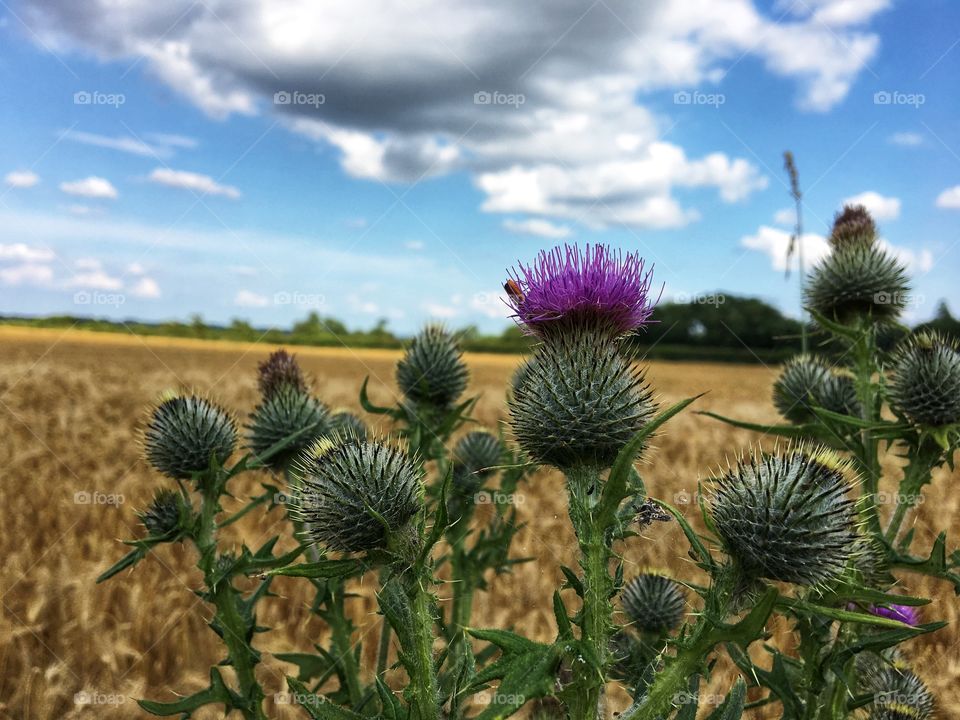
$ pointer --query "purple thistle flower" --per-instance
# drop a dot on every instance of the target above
(595, 286)
(903, 613)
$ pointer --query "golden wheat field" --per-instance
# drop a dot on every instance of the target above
(70, 404)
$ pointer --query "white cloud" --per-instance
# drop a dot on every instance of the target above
(146, 288)
(91, 187)
(537, 226)
(87, 263)
(21, 252)
(785, 216)
(79, 210)
(95, 279)
(248, 298)
(26, 274)
(437, 310)
(774, 243)
(171, 140)
(21, 179)
(135, 268)
(126, 143)
(244, 270)
(949, 198)
(414, 245)
(906, 139)
(398, 106)
(882, 208)
(194, 182)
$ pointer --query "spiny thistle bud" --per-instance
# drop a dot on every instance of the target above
(184, 432)
(925, 382)
(345, 424)
(807, 381)
(432, 371)
(287, 410)
(787, 517)
(855, 282)
(354, 495)
(853, 226)
(162, 516)
(279, 370)
(579, 401)
(567, 288)
(898, 693)
(653, 603)
(475, 457)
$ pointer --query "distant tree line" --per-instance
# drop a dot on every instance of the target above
(712, 327)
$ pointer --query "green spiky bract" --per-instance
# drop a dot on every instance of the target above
(654, 603)
(432, 371)
(345, 424)
(807, 381)
(858, 282)
(925, 380)
(786, 517)
(354, 495)
(578, 401)
(162, 516)
(185, 432)
(288, 410)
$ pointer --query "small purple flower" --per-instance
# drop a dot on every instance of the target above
(903, 613)
(595, 286)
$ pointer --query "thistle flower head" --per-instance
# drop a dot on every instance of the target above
(787, 516)
(904, 613)
(475, 457)
(654, 603)
(858, 282)
(184, 432)
(355, 495)
(279, 370)
(432, 371)
(162, 516)
(898, 692)
(853, 226)
(345, 424)
(807, 381)
(285, 411)
(569, 287)
(925, 381)
(578, 401)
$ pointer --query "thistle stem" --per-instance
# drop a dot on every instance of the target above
(422, 669)
(865, 366)
(340, 630)
(583, 486)
(225, 598)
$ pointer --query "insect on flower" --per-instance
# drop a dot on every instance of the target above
(513, 290)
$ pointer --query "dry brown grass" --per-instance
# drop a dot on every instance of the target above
(69, 403)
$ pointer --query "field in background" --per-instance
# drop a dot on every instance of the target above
(70, 404)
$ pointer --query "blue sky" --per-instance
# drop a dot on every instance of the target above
(367, 159)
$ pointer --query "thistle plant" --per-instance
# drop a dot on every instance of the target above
(798, 533)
